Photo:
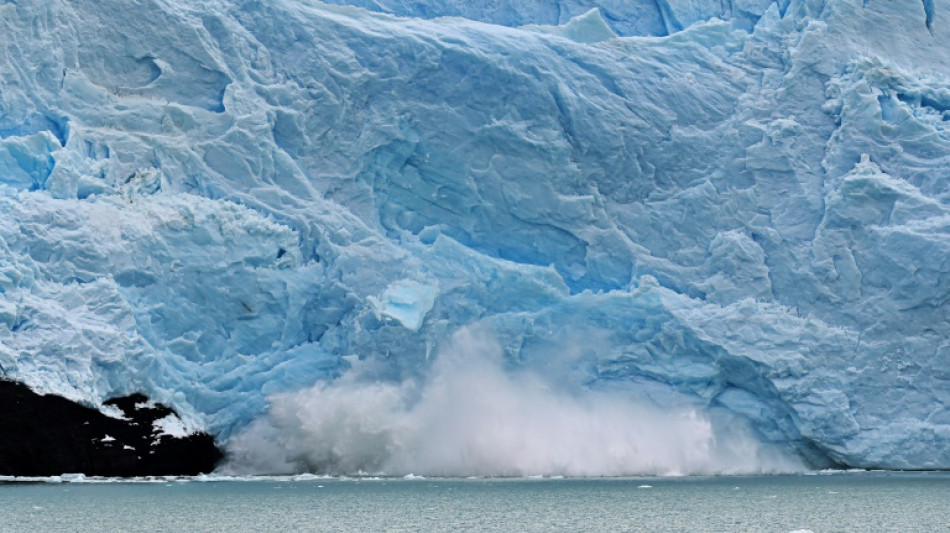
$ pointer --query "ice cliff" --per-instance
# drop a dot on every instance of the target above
(509, 237)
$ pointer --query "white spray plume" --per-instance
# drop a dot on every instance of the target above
(471, 417)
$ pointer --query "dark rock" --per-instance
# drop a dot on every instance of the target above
(50, 435)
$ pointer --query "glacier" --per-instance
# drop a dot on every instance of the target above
(503, 238)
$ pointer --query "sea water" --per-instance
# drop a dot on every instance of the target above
(881, 501)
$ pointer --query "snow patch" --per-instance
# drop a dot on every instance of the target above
(171, 426)
(113, 411)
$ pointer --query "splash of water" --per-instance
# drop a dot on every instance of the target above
(472, 417)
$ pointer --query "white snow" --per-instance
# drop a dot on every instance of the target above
(172, 426)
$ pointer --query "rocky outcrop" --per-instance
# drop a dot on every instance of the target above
(50, 435)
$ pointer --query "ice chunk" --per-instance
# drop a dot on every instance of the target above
(26, 162)
(406, 301)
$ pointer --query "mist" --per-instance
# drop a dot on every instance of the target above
(473, 417)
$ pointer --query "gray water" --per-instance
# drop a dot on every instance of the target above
(841, 502)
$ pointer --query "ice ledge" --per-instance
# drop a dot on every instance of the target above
(588, 28)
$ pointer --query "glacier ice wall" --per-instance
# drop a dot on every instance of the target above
(738, 215)
(626, 17)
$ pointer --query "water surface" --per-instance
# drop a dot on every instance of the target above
(840, 502)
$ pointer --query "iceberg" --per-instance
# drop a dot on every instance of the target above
(671, 237)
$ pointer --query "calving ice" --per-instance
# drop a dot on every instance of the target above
(584, 238)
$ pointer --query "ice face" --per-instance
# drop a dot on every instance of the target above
(230, 203)
(626, 17)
